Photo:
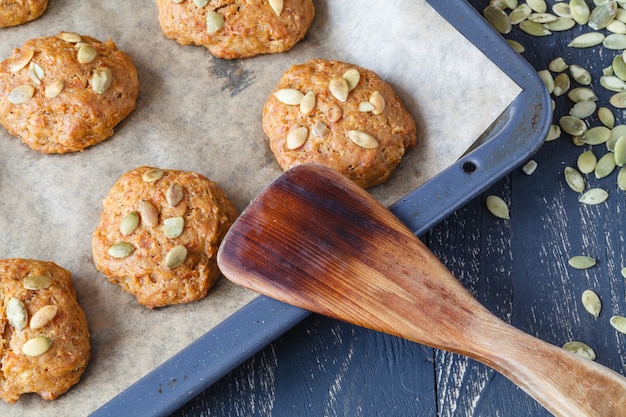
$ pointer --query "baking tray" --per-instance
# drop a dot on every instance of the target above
(509, 142)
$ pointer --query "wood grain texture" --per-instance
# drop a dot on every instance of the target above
(517, 268)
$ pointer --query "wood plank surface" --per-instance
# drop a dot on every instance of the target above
(517, 268)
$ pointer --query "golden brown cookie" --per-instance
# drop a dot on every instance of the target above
(158, 235)
(338, 115)
(236, 28)
(16, 12)
(44, 342)
(67, 92)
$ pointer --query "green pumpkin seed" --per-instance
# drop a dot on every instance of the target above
(561, 84)
(175, 257)
(498, 19)
(619, 67)
(596, 135)
(623, 272)
(16, 313)
(581, 262)
(580, 11)
(582, 94)
(553, 133)
(538, 6)
(497, 207)
(173, 227)
(519, 14)
(562, 10)
(517, 47)
(153, 175)
(120, 250)
(619, 100)
(558, 65)
(580, 349)
(587, 40)
(580, 74)
(586, 162)
(36, 282)
(529, 167)
(560, 24)
(621, 13)
(547, 79)
(621, 179)
(616, 132)
(36, 346)
(214, 21)
(583, 109)
(614, 41)
(613, 83)
(616, 27)
(572, 125)
(591, 303)
(602, 15)
(574, 179)
(619, 151)
(594, 196)
(534, 28)
(618, 323)
(542, 17)
(129, 223)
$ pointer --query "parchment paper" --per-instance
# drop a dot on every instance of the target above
(199, 113)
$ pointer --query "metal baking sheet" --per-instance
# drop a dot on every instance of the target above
(508, 143)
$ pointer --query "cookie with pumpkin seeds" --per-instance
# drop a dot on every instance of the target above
(17, 12)
(159, 232)
(44, 342)
(236, 28)
(66, 92)
(341, 116)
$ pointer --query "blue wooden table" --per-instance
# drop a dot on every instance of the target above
(517, 268)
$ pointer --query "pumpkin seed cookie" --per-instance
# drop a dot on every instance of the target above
(44, 337)
(16, 12)
(338, 115)
(158, 235)
(236, 28)
(67, 92)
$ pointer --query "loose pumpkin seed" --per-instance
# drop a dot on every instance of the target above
(586, 162)
(54, 89)
(517, 47)
(542, 18)
(582, 94)
(214, 21)
(591, 302)
(339, 88)
(378, 101)
(120, 250)
(101, 80)
(594, 196)
(36, 346)
(16, 313)
(21, 94)
(587, 40)
(616, 132)
(623, 272)
(176, 256)
(22, 60)
(497, 207)
(602, 15)
(538, 6)
(583, 109)
(616, 27)
(619, 151)
(580, 349)
(561, 84)
(596, 135)
(619, 67)
(86, 54)
(173, 227)
(562, 10)
(534, 28)
(296, 137)
(148, 213)
(618, 323)
(580, 74)
(560, 24)
(43, 316)
(574, 180)
(277, 6)
(519, 14)
(307, 103)
(174, 194)
(618, 100)
(621, 179)
(362, 139)
(580, 11)
(612, 83)
(529, 167)
(572, 125)
(36, 282)
(558, 65)
(129, 223)
(153, 175)
(614, 41)
(289, 96)
(581, 262)
(352, 77)
(553, 133)
(547, 79)
(498, 19)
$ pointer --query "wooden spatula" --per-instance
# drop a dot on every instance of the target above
(315, 240)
